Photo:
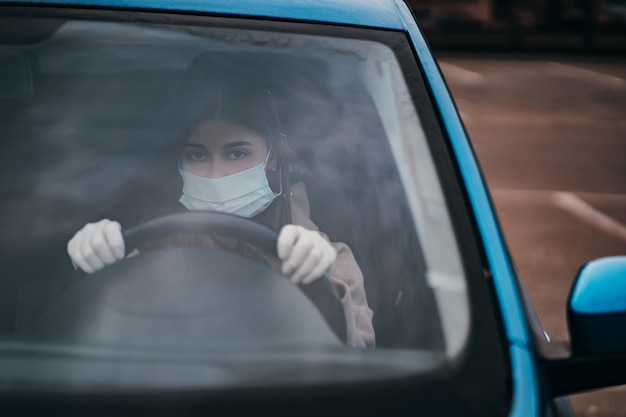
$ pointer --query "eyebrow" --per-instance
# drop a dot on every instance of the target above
(236, 144)
(225, 147)
(193, 145)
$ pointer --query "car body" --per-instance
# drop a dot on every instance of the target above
(94, 91)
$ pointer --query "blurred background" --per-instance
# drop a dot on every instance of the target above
(541, 88)
(536, 25)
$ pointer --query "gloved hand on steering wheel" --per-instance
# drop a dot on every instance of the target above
(306, 255)
(96, 245)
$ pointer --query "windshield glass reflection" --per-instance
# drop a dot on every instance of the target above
(316, 139)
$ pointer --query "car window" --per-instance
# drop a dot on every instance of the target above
(94, 116)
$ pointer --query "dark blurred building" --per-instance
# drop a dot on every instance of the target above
(586, 25)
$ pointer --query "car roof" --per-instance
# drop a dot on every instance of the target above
(371, 13)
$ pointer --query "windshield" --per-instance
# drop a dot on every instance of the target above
(109, 123)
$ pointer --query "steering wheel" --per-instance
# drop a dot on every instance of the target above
(321, 292)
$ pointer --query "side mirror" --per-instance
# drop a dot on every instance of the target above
(596, 311)
(596, 314)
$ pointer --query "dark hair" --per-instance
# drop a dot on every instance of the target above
(251, 103)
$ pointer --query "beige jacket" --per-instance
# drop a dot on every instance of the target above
(345, 274)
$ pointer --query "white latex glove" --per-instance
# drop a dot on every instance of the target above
(96, 245)
(306, 255)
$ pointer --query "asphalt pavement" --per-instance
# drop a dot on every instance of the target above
(550, 135)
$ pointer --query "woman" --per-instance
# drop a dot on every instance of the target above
(236, 160)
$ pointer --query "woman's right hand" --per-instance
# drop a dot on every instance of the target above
(96, 245)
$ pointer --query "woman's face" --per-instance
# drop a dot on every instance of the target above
(217, 148)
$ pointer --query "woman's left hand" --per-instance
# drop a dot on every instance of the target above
(306, 255)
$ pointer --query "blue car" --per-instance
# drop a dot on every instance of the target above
(261, 207)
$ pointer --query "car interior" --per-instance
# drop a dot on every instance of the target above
(82, 141)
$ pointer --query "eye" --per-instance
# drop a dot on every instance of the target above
(195, 155)
(237, 154)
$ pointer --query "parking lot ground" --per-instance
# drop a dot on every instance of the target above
(550, 135)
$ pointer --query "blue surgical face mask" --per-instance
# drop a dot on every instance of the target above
(245, 193)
